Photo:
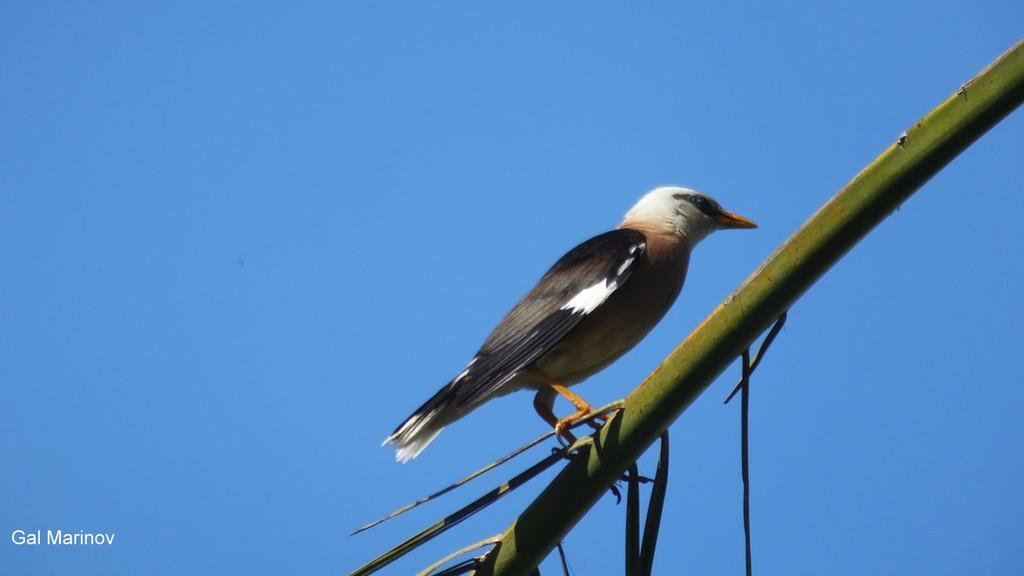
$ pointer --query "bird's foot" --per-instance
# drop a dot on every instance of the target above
(564, 425)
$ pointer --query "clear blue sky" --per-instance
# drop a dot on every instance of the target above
(240, 243)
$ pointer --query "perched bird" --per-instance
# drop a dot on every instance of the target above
(589, 309)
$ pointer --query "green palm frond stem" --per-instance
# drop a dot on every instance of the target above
(916, 156)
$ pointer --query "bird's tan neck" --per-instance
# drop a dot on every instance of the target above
(663, 269)
(662, 243)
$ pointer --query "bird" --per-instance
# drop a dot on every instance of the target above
(591, 307)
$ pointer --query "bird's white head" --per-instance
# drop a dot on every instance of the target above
(683, 212)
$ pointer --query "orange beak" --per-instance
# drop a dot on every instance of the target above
(727, 219)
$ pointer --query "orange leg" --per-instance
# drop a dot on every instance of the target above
(545, 398)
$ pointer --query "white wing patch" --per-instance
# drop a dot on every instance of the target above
(588, 299)
(591, 297)
(626, 264)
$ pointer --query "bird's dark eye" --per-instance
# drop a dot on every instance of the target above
(701, 202)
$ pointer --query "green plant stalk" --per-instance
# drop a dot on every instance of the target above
(656, 505)
(918, 154)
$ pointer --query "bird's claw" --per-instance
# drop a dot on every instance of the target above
(562, 433)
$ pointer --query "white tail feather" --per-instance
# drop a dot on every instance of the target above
(415, 434)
